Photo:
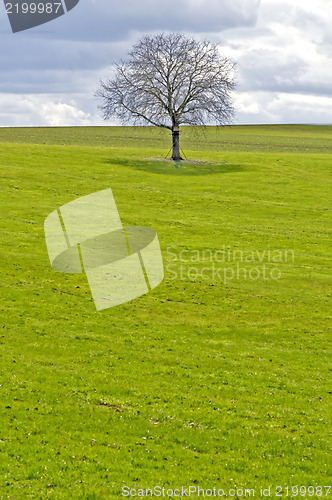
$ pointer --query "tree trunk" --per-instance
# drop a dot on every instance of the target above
(176, 144)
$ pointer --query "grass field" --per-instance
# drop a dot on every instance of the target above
(212, 379)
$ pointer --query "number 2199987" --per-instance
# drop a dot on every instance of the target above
(303, 491)
(33, 8)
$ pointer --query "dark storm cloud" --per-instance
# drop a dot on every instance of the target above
(114, 20)
(54, 57)
(268, 70)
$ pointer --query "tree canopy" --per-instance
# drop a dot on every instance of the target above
(169, 80)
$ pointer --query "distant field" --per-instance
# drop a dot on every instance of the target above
(265, 138)
(221, 376)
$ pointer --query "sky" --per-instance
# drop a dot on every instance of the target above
(283, 50)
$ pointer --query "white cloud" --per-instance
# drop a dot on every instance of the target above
(301, 108)
(285, 75)
(271, 107)
(43, 110)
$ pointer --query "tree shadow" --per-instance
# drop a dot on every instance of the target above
(181, 168)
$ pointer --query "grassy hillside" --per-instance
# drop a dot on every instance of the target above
(220, 377)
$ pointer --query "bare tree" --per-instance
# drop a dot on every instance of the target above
(170, 80)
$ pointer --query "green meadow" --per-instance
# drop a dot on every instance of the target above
(218, 378)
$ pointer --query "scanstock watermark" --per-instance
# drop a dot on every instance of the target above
(226, 264)
(197, 492)
(121, 263)
(26, 14)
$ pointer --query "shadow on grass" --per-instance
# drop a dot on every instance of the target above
(169, 167)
